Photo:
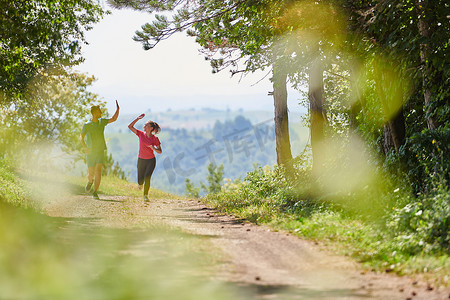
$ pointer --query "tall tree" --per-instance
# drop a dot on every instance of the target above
(357, 98)
(424, 30)
(414, 35)
(317, 114)
(229, 32)
(49, 113)
(391, 96)
(283, 145)
(39, 37)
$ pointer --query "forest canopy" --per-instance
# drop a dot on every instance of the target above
(39, 38)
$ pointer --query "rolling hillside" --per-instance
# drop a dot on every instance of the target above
(192, 139)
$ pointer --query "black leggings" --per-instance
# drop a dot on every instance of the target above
(145, 169)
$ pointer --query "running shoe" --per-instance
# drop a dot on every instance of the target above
(95, 195)
(146, 199)
(88, 187)
(140, 186)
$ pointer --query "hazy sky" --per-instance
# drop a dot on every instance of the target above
(172, 75)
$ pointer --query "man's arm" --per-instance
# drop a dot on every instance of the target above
(85, 147)
(116, 114)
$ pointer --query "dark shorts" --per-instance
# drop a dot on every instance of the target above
(94, 158)
(145, 169)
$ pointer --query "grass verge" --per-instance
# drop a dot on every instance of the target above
(408, 239)
(72, 258)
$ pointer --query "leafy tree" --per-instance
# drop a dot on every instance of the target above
(50, 112)
(112, 168)
(229, 32)
(284, 35)
(415, 34)
(214, 179)
(405, 60)
(39, 38)
(190, 189)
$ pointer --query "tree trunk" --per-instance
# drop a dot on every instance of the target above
(389, 93)
(394, 133)
(398, 128)
(424, 31)
(283, 144)
(388, 142)
(355, 109)
(317, 114)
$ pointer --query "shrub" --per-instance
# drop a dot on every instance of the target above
(423, 225)
(426, 157)
(12, 190)
(190, 189)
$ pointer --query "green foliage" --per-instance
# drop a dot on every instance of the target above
(268, 191)
(39, 250)
(42, 102)
(410, 235)
(214, 179)
(414, 39)
(191, 190)
(423, 225)
(112, 168)
(265, 182)
(45, 125)
(12, 190)
(339, 95)
(50, 115)
(426, 156)
(40, 37)
(231, 29)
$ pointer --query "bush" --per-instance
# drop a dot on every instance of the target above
(190, 189)
(112, 168)
(12, 190)
(423, 225)
(426, 155)
(383, 225)
(214, 178)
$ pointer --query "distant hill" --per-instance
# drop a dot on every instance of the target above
(191, 139)
(192, 119)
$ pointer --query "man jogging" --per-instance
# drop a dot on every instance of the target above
(95, 146)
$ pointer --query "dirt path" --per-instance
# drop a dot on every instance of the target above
(263, 263)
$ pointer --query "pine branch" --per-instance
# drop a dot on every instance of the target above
(153, 33)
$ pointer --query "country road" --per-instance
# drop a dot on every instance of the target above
(253, 260)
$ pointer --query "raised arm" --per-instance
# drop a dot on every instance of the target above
(131, 125)
(116, 114)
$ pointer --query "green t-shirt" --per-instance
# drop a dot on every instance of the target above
(95, 137)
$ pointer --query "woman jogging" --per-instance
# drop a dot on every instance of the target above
(148, 143)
